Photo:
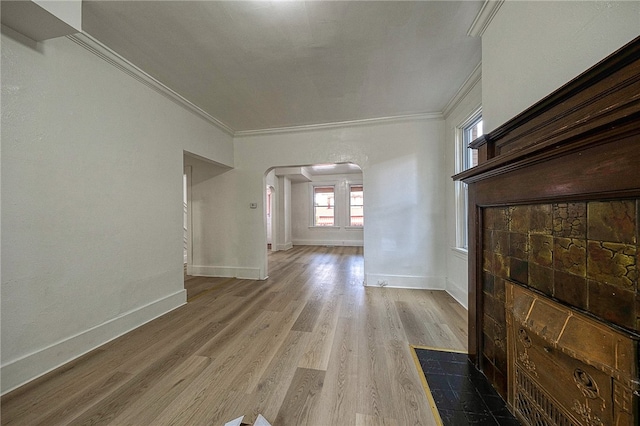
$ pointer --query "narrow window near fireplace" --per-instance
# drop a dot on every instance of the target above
(466, 158)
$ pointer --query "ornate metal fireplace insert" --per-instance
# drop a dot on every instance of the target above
(567, 368)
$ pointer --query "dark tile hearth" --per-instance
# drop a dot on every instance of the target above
(462, 394)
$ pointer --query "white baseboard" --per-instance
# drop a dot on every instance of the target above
(458, 293)
(22, 370)
(338, 243)
(224, 271)
(285, 246)
(404, 281)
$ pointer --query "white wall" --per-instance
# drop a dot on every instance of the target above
(91, 214)
(283, 207)
(457, 259)
(532, 48)
(403, 173)
(302, 207)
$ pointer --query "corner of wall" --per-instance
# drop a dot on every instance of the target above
(405, 281)
(457, 293)
(244, 273)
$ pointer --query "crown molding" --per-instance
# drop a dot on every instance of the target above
(474, 78)
(94, 46)
(484, 17)
(341, 124)
(105, 53)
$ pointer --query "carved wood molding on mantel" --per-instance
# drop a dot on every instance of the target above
(605, 98)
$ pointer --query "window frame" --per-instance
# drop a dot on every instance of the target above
(342, 203)
(464, 155)
(350, 205)
(467, 138)
(314, 186)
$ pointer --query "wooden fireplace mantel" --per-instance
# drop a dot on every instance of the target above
(579, 144)
(606, 97)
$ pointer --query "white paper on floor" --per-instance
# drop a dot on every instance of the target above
(260, 421)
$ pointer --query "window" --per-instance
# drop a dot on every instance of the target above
(471, 132)
(323, 206)
(268, 201)
(356, 205)
(337, 203)
(467, 158)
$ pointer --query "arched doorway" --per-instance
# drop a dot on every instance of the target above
(314, 205)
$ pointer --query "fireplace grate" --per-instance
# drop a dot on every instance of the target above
(535, 406)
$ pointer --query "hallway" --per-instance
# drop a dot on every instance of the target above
(309, 346)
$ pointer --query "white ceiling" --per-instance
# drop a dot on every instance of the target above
(271, 64)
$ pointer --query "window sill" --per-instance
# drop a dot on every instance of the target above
(461, 251)
(346, 228)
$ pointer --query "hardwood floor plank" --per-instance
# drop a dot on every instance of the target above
(301, 398)
(177, 336)
(381, 310)
(406, 389)
(263, 349)
(161, 395)
(272, 387)
(47, 393)
(310, 345)
(340, 392)
(366, 420)
(105, 411)
(279, 302)
(238, 362)
(414, 329)
(197, 286)
(373, 370)
(441, 336)
(81, 402)
(308, 317)
(244, 314)
(203, 402)
(218, 410)
(318, 350)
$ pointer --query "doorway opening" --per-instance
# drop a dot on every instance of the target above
(186, 217)
(269, 213)
(314, 205)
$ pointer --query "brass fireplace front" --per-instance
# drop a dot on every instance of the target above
(567, 369)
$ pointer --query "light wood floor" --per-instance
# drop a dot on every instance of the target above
(308, 346)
